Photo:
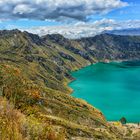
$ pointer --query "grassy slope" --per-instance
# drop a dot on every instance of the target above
(33, 79)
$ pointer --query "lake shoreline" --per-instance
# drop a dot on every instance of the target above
(72, 90)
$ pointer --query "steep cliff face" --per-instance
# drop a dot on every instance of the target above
(112, 47)
(34, 73)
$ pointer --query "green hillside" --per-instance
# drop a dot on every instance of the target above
(35, 101)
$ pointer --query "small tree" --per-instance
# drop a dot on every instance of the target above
(123, 120)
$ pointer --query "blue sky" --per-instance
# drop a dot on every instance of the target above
(121, 13)
(126, 13)
(74, 18)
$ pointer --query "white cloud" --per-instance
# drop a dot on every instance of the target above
(22, 9)
(56, 9)
(82, 29)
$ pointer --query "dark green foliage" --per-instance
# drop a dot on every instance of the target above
(123, 120)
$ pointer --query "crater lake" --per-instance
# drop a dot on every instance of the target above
(113, 88)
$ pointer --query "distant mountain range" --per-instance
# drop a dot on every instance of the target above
(131, 31)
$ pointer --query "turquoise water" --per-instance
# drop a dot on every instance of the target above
(114, 88)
